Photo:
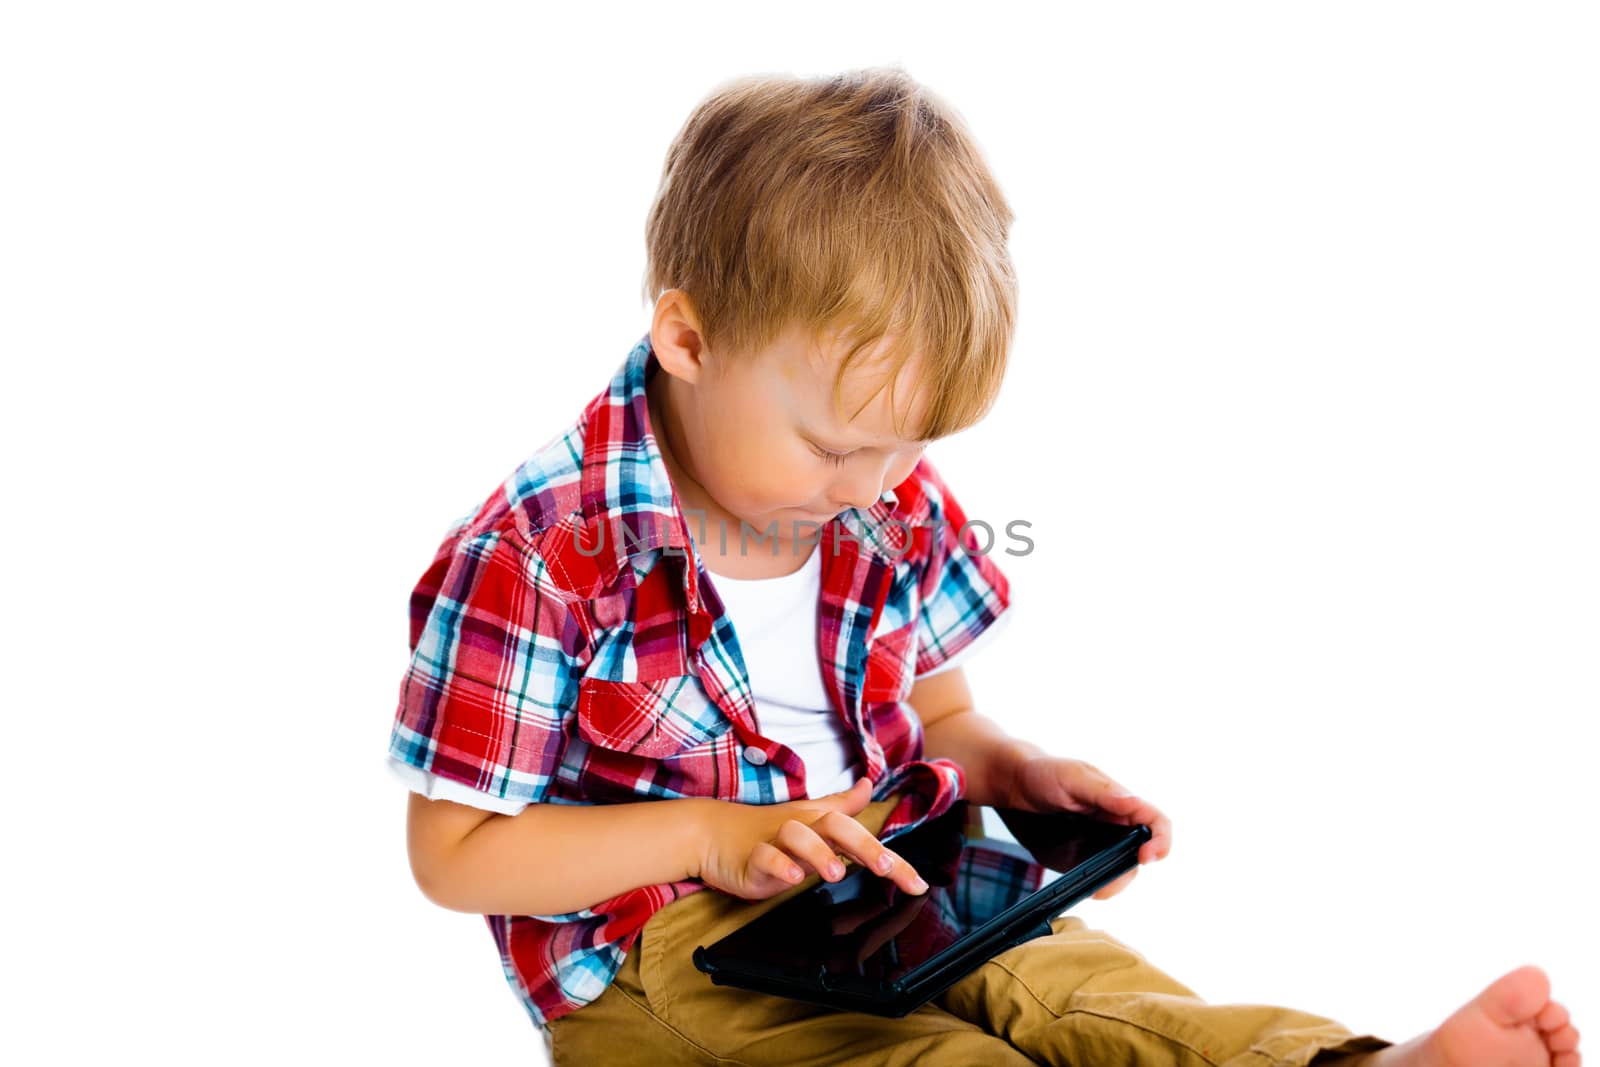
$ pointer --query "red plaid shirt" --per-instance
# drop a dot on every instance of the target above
(569, 647)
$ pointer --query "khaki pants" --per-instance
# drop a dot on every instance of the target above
(1077, 996)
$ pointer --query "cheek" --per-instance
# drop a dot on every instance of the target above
(759, 470)
(902, 469)
(773, 477)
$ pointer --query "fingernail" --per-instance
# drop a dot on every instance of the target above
(835, 870)
(885, 861)
(919, 886)
(795, 874)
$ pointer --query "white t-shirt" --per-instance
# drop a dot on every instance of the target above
(776, 623)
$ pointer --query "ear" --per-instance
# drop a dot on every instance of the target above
(676, 338)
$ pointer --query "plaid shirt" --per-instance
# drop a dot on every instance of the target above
(568, 647)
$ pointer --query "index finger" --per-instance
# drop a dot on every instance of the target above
(858, 843)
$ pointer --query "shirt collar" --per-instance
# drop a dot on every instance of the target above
(627, 495)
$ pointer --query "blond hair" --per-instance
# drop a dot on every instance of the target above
(857, 206)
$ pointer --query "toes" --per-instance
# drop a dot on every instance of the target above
(1553, 1017)
(1563, 1040)
(1515, 998)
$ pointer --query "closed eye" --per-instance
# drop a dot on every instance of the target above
(835, 458)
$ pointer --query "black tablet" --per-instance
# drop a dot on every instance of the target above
(863, 944)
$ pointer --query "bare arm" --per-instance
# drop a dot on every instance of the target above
(953, 730)
(547, 859)
(550, 859)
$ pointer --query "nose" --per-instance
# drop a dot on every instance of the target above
(861, 490)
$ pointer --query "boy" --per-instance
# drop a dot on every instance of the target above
(590, 741)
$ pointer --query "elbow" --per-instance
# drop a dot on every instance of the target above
(432, 881)
(442, 886)
(433, 841)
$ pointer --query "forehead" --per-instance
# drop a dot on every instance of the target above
(863, 414)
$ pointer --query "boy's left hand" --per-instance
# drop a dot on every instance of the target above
(1052, 783)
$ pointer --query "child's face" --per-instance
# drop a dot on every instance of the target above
(751, 441)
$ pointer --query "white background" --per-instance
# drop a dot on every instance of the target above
(1302, 410)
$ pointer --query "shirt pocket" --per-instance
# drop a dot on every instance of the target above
(656, 718)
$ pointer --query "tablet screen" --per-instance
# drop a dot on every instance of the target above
(865, 927)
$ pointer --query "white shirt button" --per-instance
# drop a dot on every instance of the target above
(755, 755)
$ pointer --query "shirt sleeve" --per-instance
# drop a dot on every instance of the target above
(492, 678)
(975, 646)
(435, 788)
(965, 596)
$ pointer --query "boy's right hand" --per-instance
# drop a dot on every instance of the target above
(756, 851)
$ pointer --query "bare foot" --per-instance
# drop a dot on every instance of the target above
(1513, 1023)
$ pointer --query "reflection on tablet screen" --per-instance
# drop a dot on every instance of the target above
(866, 926)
